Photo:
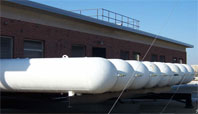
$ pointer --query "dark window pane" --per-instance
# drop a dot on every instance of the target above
(33, 54)
(33, 45)
(124, 55)
(153, 57)
(99, 52)
(6, 47)
(162, 59)
(33, 49)
(78, 51)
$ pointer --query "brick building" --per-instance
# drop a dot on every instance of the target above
(29, 29)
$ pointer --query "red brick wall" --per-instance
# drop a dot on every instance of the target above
(59, 41)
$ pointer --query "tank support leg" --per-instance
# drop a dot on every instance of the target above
(189, 102)
(69, 104)
(70, 94)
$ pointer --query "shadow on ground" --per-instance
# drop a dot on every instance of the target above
(132, 106)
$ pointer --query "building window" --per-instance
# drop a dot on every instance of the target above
(124, 55)
(162, 58)
(33, 49)
(174, 60)
(78, 51)
(154, 57)
(99, 52)
(6, 47)
(136, 56)
(180, 60)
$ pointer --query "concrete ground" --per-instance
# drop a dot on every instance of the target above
(129, 106)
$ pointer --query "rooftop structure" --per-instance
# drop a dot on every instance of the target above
(35, 5)
(34, 30)
(110, 16)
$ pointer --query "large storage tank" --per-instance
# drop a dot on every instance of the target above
(125, 74)
(80, 75)
(184, 73)
(176, 74)
(166, 74)
(191, 74)
(141, 74)
(155, 74)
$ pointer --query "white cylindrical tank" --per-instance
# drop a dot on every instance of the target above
(80, 75)
(125, 74)
(165, 72)
(155, 74)
(184, 73)
(141, 74)
(176, 74)
(191, 74)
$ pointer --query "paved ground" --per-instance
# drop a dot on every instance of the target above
(135, 106)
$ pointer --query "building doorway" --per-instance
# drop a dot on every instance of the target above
(99, 52)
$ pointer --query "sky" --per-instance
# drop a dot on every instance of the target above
(175, 19)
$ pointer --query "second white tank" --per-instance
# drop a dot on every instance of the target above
(165, 72)
(155, 74)
(176, 74)
(125, 74)
(141, 74)
(191, 73)
(184, 73)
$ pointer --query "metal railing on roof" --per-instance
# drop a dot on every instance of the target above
(109, 16)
